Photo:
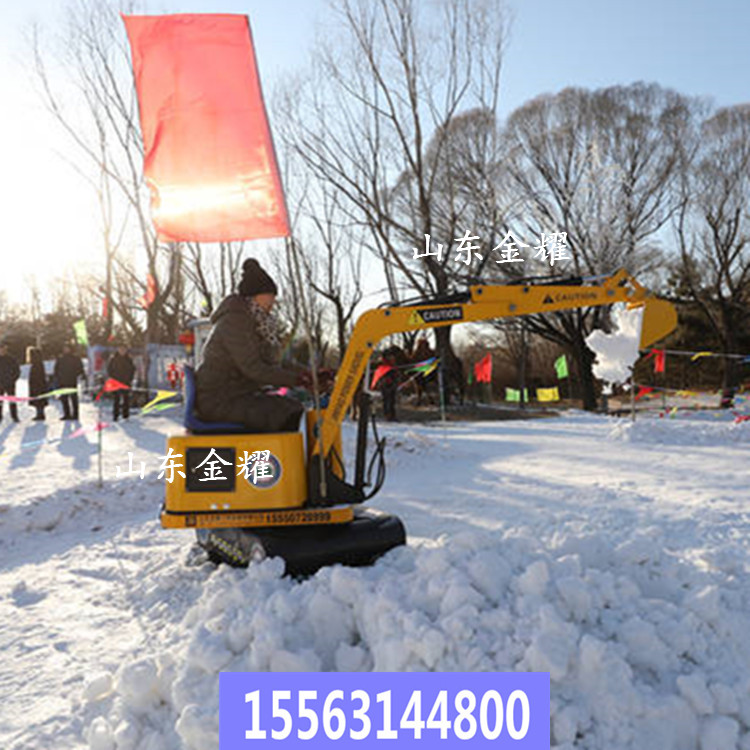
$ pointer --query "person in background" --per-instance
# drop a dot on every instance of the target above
(241, 358)
(121, 368)
(68, 368)
(9, 372)
(389, 385)
(37, 381)
(173, 375)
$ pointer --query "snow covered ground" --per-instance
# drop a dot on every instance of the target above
(614, 555)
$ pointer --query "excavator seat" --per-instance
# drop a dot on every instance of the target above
(196, 425)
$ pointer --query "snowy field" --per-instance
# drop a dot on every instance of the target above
(613, 555)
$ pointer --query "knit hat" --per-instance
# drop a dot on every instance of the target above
(255, 280)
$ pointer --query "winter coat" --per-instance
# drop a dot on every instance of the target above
(237, 363)
(9, 371)
(121, 368)
(38, 383)
(68, 368)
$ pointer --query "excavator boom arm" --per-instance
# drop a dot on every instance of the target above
(484, 302)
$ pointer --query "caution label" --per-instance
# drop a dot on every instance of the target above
(569, 297)
(436, 315)
(575, 297)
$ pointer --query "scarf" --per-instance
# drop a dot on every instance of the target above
(266, 323)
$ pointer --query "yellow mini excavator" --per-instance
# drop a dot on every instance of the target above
(250, 496)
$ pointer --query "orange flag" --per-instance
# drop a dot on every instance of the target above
(209, 159)
(148, 298)
(483, 369)
(380, 371)
(110, 384)
(659, 359)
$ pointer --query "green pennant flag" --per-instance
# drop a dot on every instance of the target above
(511, 394)
(80, 330)
(561, 367)
(471, 376)
(58, 392)
(426, 369)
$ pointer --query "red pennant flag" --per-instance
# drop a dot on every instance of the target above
(105, 307)
(483, 369)
(209, 159)
(151, 291)
(660, 357)
(379, 373)
(642, 391)
(110, 384)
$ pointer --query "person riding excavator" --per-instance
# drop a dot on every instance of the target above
(241, 357)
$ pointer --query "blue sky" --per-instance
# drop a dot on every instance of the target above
(698, 47)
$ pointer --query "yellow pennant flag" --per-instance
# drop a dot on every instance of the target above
(699, 355)
(160, 396)
(547, 394)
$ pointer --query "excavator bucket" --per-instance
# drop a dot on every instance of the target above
(659, 320)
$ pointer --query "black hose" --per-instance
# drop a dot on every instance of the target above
(379, 455)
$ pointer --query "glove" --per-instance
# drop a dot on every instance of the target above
(325, 379)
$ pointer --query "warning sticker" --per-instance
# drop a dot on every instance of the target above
(436, 315)
(569, 297)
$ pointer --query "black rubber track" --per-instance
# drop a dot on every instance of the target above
(306, 549)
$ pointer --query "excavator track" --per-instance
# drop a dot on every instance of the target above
(307, 549)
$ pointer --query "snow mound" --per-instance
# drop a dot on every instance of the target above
(681, 432)
(645, 649)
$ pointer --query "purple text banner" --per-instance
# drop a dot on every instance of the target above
(290, 710)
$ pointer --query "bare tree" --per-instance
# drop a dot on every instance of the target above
(469, 197)
(381, 95)
(333, 263)
(600, 167)
(214, 274)
(95, 104)
(713, 229)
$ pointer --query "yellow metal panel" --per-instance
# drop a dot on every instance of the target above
(659, 320)
(283, 486)
(337, 466)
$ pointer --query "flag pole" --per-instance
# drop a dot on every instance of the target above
(442, 393)
(522, 397)
(99, 441)
(442, 399)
